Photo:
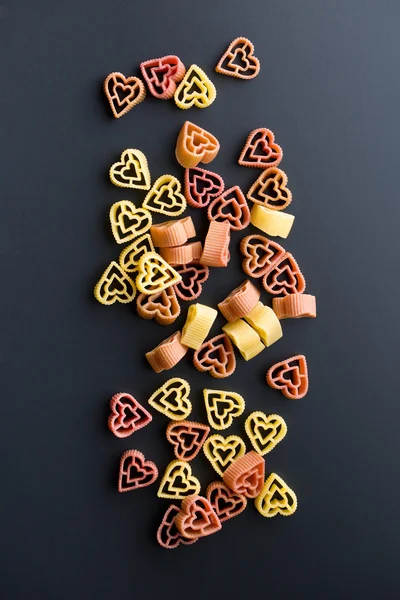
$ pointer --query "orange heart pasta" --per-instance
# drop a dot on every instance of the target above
(230, 207)
(163, 306)
(167, 354)
(195, 145)
(202, 186)
(127, 415)
(259, 253)
(224, 501)
(168, 535)
(216, 356)
(260, 150)
(284, 277)
(191, 285)
(123, 93)
(246, 474)
(197, 518)
(135, 471)
(162, 75)
(270, 190)
(239, 60)
(187, 438)
(290, 376)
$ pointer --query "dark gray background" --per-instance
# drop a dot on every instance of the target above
(329, 88)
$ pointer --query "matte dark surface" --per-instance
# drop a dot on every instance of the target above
(329, 88)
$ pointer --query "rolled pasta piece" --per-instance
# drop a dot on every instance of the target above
(245, 338)
(167, 354)
(240, 301)
(182, 255)
(216, 245)
(263, 319)
(199, 321)
(271, 222)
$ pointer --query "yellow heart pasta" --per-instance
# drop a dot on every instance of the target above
(265, 431)
(155, 274)
(114, 286)
(276, 497)
(178, 481)
(127, 221)
(222, 451)
(165, 197)
(131, 255)
(195, 89)
(131, 171)
(172, 399)
(222, 407)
